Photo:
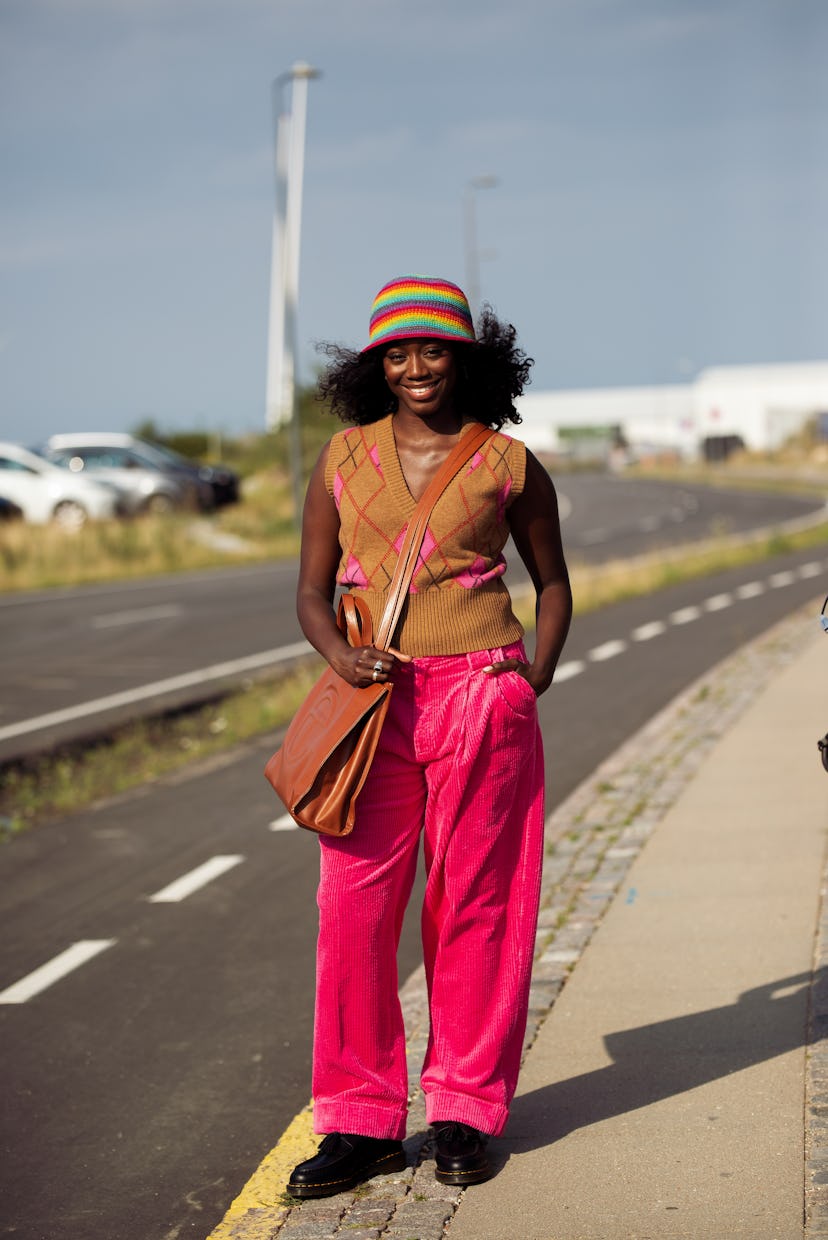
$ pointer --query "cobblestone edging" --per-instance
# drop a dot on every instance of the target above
(591, 842)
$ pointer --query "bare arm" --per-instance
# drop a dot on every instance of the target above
(536, 530)
(317, 586)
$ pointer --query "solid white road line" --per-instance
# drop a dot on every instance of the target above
(44, 977)
(645, 632)
(199, 877)
(139, 694)
(607, 651)
(136, 616)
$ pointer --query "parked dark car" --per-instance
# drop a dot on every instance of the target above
(223, 480)
(158, 479)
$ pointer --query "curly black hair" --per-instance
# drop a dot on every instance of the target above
(492, 371)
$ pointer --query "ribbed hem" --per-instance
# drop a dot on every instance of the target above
(451, 619)
(443, 1106)
(360, 1119)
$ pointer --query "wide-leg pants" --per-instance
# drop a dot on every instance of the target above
(461, 763)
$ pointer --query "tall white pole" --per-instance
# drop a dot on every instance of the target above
(470, 238)
(279, 381)
(287, 220)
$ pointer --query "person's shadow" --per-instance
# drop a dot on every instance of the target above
(667, 1058)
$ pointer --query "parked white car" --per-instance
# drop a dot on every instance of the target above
(44, 492)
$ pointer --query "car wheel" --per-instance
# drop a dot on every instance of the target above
(159, 505)
(70, 515)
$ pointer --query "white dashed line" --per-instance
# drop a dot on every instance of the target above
(285, 823)
(199, 877)
(750, 590)
(607, 651)
(645, 632)
(44, 977)
(811, 569)
(565, 671)
(718, 602)
(685, 615)
(778, 580)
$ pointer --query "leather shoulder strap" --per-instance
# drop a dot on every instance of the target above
(470, 443)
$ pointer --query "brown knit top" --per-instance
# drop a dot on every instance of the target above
(458, 601)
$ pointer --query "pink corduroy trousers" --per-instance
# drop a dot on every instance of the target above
(461, 763)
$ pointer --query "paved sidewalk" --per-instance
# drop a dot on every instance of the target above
(663, 1094)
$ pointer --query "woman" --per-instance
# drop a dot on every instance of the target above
(460, 759)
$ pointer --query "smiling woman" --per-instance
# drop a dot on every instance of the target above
(459, 762)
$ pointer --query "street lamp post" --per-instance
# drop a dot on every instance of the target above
(281, 405)
(470, 237)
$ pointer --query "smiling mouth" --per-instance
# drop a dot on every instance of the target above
(422, 389)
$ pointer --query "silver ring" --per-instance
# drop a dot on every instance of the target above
(374, 674)
(378, 665)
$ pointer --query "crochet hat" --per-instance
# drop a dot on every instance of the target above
(416, 306)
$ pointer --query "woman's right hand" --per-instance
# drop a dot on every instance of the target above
(366, 665)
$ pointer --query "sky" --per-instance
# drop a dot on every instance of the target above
(660, 206)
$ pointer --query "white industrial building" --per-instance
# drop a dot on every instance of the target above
(761, 405)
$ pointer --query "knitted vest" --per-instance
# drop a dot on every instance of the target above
(457, 601)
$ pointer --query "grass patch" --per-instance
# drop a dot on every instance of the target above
(36, 789)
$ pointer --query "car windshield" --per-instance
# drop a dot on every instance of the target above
(163, 456)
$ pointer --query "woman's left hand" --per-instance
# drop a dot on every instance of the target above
(523, 669)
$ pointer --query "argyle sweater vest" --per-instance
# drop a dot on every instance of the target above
(457, 601)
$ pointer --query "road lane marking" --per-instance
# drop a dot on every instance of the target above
(595, 536)
(127, 697)
(565, 671)
(195, 879)
(285, 823)
(608, 650)
(812, 569)
(645, 632)
(777, 580)
(750, 590)
(44, 977)
(717, 602)
(137, 615)
(685, 615)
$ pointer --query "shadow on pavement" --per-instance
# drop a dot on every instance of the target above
(667, 1058)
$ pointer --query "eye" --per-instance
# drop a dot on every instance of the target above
(395, 359)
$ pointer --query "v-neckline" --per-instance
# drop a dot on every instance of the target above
(392, 466)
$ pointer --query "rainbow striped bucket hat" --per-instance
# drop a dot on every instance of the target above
(416, 306)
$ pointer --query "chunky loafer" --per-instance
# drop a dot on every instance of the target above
(460, 1154)
(343, 1161)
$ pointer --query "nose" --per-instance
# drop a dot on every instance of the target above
(416, 366)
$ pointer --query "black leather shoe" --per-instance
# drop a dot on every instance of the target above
(343, 1161)
(460, 1154)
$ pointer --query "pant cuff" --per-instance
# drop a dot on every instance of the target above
(359, 1118)
(487, 1117)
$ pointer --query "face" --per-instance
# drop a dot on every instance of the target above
(421, 374)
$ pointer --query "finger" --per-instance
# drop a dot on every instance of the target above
(506, 665)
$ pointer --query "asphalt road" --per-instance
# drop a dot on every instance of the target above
(143, 1086)
(77, 662)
